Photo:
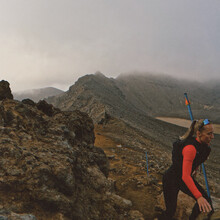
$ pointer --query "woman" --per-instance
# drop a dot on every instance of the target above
(188, 153)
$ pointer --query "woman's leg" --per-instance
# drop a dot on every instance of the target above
(170, 190)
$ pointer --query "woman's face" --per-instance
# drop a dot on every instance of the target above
(206, 135)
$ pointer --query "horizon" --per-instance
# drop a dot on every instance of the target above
(156, 75)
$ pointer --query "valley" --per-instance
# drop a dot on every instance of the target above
(185, 123)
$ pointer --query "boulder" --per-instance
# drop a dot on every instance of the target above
(5, 91)
(46, 108)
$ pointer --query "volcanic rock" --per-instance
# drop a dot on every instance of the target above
(5, 91)
(28, 102)
(50, 167)
(48, 109)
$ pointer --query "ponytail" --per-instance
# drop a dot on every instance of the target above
(190, 132)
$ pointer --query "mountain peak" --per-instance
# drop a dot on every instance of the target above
(98, 73)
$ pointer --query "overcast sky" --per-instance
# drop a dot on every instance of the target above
(54, 42)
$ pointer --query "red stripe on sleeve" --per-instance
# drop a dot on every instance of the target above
(189, 153)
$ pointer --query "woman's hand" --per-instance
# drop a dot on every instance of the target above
(204, 206)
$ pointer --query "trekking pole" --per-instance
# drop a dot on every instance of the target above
(187, 102)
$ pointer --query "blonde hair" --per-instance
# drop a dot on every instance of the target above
(197, 125)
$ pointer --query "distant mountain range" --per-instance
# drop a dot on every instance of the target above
(37, 94)
(164, 96)
(137, 94)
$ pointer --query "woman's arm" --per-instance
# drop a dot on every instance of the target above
(189, 153)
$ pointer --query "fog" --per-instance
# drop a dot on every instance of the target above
(53, 43)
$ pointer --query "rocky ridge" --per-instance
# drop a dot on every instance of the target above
(132, 95)
(50, 167)
(93, 94)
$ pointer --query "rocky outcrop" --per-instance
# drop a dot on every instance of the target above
(50, 167)
(5, 91)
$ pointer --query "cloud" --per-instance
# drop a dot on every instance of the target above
(47, 43)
